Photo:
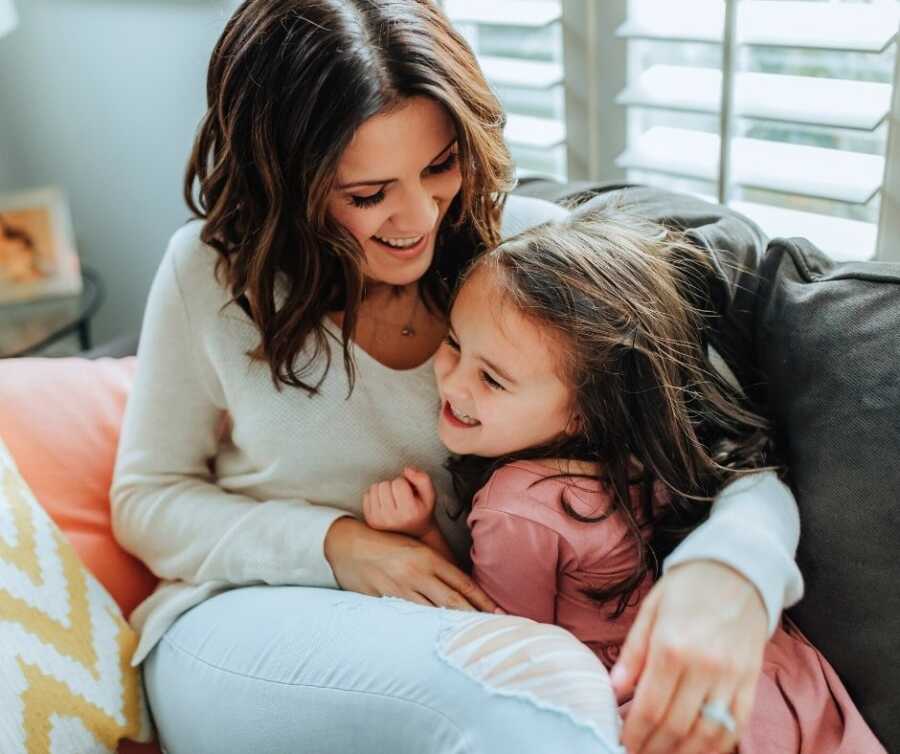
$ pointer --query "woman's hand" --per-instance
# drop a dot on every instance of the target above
(383, 564)
(699, 637)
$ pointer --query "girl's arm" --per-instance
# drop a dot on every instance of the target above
(515, 560)
(166, 507)
(405, 505)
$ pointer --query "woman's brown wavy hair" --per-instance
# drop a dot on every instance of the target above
(627, 298)
(289, 83)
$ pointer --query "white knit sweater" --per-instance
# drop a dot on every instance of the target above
(222, 480)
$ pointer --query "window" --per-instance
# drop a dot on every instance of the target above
(519, 47)
(606, 89)
(807, 88)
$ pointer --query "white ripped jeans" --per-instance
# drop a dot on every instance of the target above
(274, 670)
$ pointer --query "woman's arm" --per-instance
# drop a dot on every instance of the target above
(166, 507)
(168, 510)
(700, 633)
(754, 528)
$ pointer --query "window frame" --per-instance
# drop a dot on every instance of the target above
(596, 125)
(887, 247)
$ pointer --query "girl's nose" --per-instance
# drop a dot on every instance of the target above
(453, 384)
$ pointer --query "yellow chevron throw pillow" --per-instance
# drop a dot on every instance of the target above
(66, 682)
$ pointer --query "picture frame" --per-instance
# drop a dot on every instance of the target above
(38, 256)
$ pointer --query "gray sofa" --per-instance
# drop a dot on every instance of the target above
(817, 343)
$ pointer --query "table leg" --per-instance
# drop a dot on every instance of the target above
(84, 334)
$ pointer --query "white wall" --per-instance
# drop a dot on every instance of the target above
(102, 97)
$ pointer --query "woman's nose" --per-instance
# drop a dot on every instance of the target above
(419, 211)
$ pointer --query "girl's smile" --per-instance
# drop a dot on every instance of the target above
(455, 417)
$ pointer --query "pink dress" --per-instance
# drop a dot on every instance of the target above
(534, 559)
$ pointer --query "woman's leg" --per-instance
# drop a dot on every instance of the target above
(273, 670)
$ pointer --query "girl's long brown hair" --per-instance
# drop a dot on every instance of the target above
(289, 83)
(625, 297)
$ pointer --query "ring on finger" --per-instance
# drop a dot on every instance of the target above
(716, 711)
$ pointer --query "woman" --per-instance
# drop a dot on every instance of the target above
(351, 162)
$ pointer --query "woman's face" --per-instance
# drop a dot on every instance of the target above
(394, 184)
(498, 377)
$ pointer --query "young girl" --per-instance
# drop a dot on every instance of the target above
(584, 414)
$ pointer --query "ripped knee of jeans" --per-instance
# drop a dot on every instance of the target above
(543, 664)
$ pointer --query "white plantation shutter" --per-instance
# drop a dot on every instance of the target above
(799, 144)
(889, 221)
(519, 47)
(807, 88)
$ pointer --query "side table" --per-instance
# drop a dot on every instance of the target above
(32, 327)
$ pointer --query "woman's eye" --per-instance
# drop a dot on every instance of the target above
(491, 382)
(449, 340)
(366, 201)
(443, 167)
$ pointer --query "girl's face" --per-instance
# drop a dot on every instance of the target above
(498, 377)
(394, 184)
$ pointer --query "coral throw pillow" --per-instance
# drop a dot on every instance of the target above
(60, 420)
(65, 649)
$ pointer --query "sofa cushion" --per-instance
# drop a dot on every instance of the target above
(68, 685)
(60, 420)
(828, 340)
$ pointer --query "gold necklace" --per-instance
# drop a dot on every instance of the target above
(406, 329)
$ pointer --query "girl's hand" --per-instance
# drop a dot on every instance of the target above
(699, 637)
(404, 505)
(382, 564)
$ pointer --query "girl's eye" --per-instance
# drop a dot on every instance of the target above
(366, 201)
(443, 167)
(491, 382)
(449, 340)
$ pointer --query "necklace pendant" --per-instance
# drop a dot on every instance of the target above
(407, 331)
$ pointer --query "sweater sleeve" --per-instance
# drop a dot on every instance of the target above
(754, 528)
(515, 560)
(166, 507)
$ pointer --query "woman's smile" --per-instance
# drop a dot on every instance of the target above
(404, 248)
(399, 243)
